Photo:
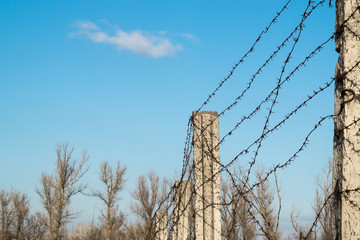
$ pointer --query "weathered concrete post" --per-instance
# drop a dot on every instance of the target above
(181, 211)
(161, 219)
(346, 174)
(206, 175)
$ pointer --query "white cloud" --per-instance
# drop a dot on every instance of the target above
(135, 41)
(86, 25)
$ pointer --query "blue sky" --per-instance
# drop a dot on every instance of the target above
(121, 78)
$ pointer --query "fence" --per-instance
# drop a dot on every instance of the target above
(197, 198)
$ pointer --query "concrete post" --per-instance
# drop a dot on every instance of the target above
(206, 175)
(346, 174)
(181, 211)
(161, 219)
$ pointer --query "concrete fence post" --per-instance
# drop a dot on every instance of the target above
(181, 211)
(346, 171)
(206, 175)
(161, 219)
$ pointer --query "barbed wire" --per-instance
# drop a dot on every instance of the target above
(287, 60)
(297, 68)
(187, 174)
(267, 61)
(188, 145)
(242, 59)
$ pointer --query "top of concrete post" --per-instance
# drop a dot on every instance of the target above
(214, 113)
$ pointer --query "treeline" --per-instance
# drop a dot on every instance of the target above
(247, 213)
(58, 189)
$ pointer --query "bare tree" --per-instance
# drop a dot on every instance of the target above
(132, 231)
(245, 206)
(262, 199)
(14, 208)
(21, 210)
(111, 218)
(7, 214)
(150, 196)
(35, 227)
(322, 206)
(237, 217)
(57, 190)
(86, 232)
(47, 195)
(301, 232)
(228, 211)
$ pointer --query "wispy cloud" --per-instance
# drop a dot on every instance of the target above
(86, 25)
(189, 36)
(137, 41)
